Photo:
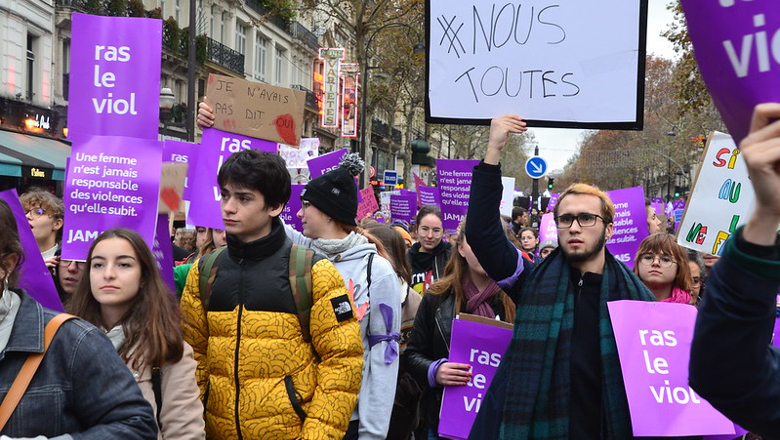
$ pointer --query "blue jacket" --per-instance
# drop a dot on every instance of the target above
(733, 364)
(82, 387)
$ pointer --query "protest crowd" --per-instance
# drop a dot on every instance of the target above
(283, 310)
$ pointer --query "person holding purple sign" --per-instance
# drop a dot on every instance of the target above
(81, 388)
(733, 363)
(463, 288)
(125, 296)
(328, 210)
(560, 377)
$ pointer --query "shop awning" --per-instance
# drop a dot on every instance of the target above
(22, 155)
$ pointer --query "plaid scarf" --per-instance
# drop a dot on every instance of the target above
(539, 357)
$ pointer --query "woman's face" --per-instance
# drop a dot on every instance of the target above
(429, 232)
(465, 251)
(200, 236)
(315, 222)
(696, 277)
(657, 270)
(115, 274)
(528, 240)
(218, 237)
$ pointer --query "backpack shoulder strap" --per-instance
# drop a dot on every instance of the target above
(208, 275)
(30, 366)
(300, 284)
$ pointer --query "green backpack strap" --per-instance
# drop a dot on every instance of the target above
(208, 275)
(300, 284)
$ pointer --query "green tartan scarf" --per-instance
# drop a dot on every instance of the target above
(539, 357)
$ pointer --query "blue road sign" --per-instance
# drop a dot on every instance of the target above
(391, 177)
(535, 167)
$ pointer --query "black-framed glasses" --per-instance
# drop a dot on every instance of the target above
(35, 212)
(584, 219)
(663, 260)
(67, 263)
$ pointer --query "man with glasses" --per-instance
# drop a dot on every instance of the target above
(45, 213)
(560, 377)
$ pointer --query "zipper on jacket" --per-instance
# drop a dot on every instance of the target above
(238, 347)
(579, 284)
(441, 332)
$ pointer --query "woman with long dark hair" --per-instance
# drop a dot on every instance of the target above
(464, 288)
(123, 294)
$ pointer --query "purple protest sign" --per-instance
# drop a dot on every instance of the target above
(290, 213)
(327, 162)
(367, 204)
(454, 181)
(553, 201)
(547, 228)
(114, 76)
(678, 204)
(34, 276)
(658, 200)
(429, 196)
(204, 193)
(113, 182)
(738, 72)
(482, 346)
(654, 343)
(403, 206)
(629, 225)
(163, 251)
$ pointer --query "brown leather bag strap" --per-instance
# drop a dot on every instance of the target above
(27, 372)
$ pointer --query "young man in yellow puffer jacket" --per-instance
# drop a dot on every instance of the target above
(259, 378)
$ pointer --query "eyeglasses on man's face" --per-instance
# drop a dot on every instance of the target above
(584, 219)
(663, 260)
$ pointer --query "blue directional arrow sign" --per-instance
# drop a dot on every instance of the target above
(535, 167)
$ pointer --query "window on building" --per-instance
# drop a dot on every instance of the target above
(223, 27)
(240, 38)
(32, 42)
(177, 11)
(162, 8)
(65, 68)
(278, 65)
(212, 29)
(261, 52)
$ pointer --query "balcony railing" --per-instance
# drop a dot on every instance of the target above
(278, 22)
(225, 56)
(308, 38)
(87, 6)
(380, 128)
(311, 98)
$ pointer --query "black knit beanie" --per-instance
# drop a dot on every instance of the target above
(335, 192)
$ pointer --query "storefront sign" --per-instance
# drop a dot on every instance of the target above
(330, 94)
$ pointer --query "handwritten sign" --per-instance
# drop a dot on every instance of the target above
(481, 343)
(256, 110)
(736, 47)
(115, 76)
(454, 181)
(296, 156)
(654, 343)
(367, 204)
(721, 197)
(569, 63)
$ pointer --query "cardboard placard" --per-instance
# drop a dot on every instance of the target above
(256, 110)
(172, 181)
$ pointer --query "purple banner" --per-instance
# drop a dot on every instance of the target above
(114, 76)
(403, 206)
(113, 182)
(204, 193)
(429, 196)
(654, 342)
(327, 162)
(34, 276)
(180, 152)
(630, 223)
(290, 212)
(547, 228)
(678, 204)
(163, 251)
(553, 201)
(736, 46)
(454, 181)
(482, 346)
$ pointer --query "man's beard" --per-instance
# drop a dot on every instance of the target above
(585, 254)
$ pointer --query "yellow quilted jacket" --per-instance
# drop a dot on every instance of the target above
(253, 364)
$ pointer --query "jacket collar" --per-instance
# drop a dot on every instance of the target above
(261, 248)
(27, 334)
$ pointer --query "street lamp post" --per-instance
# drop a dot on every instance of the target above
(166, 104)
(365, 126)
